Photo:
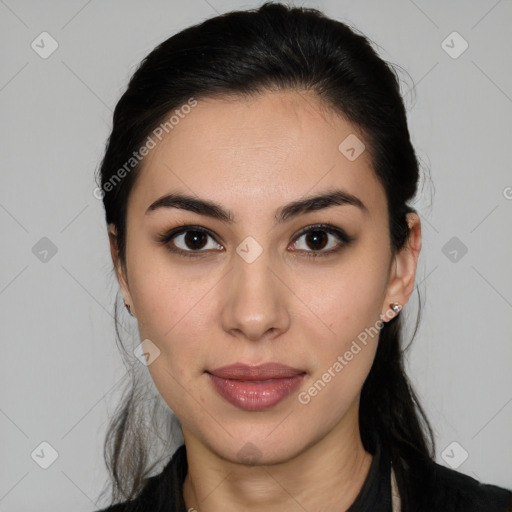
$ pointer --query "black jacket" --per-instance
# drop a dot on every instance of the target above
(442, 490)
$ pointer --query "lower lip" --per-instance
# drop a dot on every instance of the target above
(255, 395)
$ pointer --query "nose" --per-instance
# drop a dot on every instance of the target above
(254, 304)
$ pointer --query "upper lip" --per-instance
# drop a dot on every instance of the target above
(239, 371)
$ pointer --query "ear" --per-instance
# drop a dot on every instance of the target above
(119, 268)
(403, 269)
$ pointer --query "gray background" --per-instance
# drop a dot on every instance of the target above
(60, 365)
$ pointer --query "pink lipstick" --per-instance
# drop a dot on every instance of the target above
(255, 388)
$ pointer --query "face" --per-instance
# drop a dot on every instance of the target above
(269, 285)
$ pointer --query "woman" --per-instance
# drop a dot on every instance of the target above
(256, 187)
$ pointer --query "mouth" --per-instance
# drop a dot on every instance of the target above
(254, 388)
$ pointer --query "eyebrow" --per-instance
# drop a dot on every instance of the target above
(328, 199)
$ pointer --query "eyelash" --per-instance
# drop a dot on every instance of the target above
(344, 238)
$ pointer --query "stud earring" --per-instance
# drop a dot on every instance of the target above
(396, 307)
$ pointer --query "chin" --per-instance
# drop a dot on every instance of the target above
(253, 449)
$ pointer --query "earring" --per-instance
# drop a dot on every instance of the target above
(128, 308)
(396, 307)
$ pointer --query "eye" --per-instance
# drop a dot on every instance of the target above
(188, 240)
(191, 241)
(317, 238)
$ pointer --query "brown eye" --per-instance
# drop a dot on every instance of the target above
(195, 239)
(319, 240)
(189, 241)
(316, 239)
(320, 237)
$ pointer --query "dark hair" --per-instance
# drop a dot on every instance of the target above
(272, 48)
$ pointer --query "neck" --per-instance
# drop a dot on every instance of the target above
(327, 476)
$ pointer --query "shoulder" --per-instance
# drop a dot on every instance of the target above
(449, 490)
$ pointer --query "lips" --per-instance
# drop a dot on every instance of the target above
(262, 372)
(255, 387)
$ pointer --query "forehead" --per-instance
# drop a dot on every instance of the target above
(252, 153)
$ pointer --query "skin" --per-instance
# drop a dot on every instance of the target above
(253, 155)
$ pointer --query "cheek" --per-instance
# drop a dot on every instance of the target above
(343, 326)
(342, 359)
(171, 313)
(175, 312)
(342, 302)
